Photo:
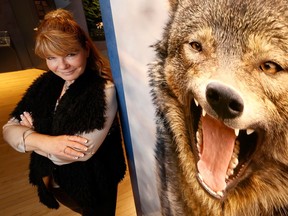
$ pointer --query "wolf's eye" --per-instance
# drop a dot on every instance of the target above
(270, 67)
(196, 46)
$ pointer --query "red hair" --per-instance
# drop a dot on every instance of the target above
(60, 34)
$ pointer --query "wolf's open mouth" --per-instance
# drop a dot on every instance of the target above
(223, 153)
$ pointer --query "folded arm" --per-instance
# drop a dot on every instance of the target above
(62, 149)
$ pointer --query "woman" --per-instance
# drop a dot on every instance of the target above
(67, 119)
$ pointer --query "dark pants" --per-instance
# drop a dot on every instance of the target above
(105, 205)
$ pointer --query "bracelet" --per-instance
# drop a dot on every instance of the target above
(25, 135)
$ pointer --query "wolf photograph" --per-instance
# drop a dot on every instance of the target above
(219, 85)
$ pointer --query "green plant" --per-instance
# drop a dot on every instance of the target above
(93, 18)
(92, 12)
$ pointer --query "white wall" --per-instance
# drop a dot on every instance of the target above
(138, 25)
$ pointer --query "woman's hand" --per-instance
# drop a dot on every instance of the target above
(66, 146)
(63, 146)
(26, 120)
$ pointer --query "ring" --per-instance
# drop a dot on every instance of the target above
(65, 149)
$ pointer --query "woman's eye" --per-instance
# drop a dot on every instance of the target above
(196, 46)
(50, 58)
(71, 54)
(270, 67)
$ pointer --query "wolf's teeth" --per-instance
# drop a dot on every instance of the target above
(237, 143)
(230, 172)
(220, 193)
(236, 132)
(196, 102)
(236, 147)
(199, 148)
(200, 177)
(197, 136)
(203, 113)
(233, 164)
(249, 131)
(234, 160)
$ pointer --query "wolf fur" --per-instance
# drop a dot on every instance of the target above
(220, 88)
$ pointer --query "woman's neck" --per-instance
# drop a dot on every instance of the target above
(69, 82)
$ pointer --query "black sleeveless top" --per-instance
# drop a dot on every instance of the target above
(81, 109)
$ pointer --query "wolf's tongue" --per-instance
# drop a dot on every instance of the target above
(217, 149)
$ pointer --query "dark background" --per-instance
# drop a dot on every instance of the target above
(18, 20)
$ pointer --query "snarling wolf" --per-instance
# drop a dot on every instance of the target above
(220, 89)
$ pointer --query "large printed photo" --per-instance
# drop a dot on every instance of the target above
(137, 26)
(208, 101)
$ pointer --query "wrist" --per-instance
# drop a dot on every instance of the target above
(25, 135)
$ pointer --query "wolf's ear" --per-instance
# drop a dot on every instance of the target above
(173, 4)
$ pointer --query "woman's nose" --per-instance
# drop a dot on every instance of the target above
(62, 63)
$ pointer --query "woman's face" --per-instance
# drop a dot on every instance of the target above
(68, 67)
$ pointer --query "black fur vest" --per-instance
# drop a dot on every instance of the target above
(81, 109)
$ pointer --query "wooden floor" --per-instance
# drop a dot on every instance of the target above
(17, 196)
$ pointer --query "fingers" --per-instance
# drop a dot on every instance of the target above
(75, 146)
(26, 119)
(78, 139)
(72, 153)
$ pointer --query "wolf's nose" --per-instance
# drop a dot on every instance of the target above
(226, 102)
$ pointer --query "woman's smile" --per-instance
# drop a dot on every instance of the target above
(70, 66)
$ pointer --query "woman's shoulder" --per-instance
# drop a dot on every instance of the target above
(109, 84)
(42, 80)
(46, 75)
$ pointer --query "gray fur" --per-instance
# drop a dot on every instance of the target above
(239, 39)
